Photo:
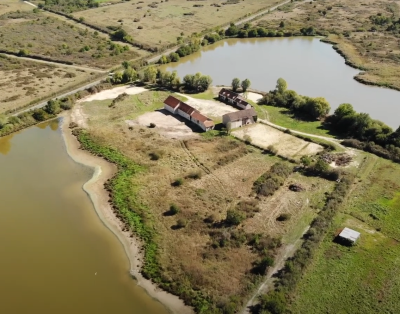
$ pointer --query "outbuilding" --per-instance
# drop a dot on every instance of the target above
(171, 104)
(349, 235)
(239, 118)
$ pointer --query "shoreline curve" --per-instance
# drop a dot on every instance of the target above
(103, 170)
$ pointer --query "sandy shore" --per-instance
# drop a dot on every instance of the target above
(104, 170)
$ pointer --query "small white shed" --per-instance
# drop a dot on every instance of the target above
(349, 235)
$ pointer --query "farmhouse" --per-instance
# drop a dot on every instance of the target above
(239, 118)
(175, 106)
(233, 99)
(349, 235)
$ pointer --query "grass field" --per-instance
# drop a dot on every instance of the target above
(364, 278)
(40, 34)
(13, 5)
(23, 81)
(349, 24)
(217, 174)
(163, 23)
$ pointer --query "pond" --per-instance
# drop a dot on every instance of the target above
(310, 67)
(56, 254)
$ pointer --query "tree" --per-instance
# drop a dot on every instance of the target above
(204, 82)
(3, 120)
(262, 32)
(52, 107)
(317, 107)
(129, 75)
(344, 110)
(174, 57)
(233, 30)
(245, 84)
(243, 33)
(120, 34)
(282, 24)
(235, 84)
(274, 302)
(189, 81)
(150, 74)
(281, 85)
(117, 78)
(125, 64)
(39, 115)
(234, 217)
(253, 32)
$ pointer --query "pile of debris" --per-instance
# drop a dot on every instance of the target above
(341, 159)
(296, 187)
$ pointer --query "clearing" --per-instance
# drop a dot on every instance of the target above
(158, 25)
(286, 145)
(13, 5)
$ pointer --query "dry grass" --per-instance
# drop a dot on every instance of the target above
(286, 145)
(40, 34)
(163, 24)
(378, 52)
(23, 81)
(227, 168)
(13, 5)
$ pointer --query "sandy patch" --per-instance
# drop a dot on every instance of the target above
(99, 196)
(210, 108)
(287, 145)
(114, 92)
(166, 124)
(78, 116)
(252, 96)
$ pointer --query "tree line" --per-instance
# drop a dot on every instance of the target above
(303, 106)
(151, 75)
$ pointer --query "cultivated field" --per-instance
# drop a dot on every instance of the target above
(42, 35)
(13, 5)
(162, 22)
(197, 249)
(286, 145)
(23, 81)
(360, 33)
(364, 278)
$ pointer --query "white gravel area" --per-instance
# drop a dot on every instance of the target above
(114, 92)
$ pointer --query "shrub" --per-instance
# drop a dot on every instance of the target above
(177, 182)
(247, 139)
(234, 217)
(271, 181)
(173, 209)
(194, 175)
(272, 150)
(283, 217)
(152, 125)
(181, 223)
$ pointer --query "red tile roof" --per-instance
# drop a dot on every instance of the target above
(172, 102)
(186, 108)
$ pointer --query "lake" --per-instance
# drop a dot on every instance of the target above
(309, 66)
(56, 254)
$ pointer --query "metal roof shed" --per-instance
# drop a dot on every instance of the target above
(349, 235)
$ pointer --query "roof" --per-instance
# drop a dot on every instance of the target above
(241, 114)
(186, 108)
(208, 124)
(240, 101)
(349, 234)
(172, 101)
(206, 121)
(227, 93)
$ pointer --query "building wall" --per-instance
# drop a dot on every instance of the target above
(183, 114)
(170, 109)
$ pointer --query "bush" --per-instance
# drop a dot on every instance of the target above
(152, 125)
(177, 182)
(247, 139)
(181, 223)
(283, 217)
(173, 209)
(272, 150)
(272, 180)
(194, 175)
(234, 217)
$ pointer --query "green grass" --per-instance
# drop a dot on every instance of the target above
(280, 117)
(207, 95)
(363, 278)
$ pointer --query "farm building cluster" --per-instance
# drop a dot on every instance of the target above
(247, 114)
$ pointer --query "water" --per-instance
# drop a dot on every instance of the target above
(51, 241)
(310, 67)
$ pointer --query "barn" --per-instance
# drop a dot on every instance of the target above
(175, 106)
(233, 98)
(349, 235)
(239, 118)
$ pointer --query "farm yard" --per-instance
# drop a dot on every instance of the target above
(363, 278)
(38, 34)
(22, 81)
(159, 24)
(189, 185)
